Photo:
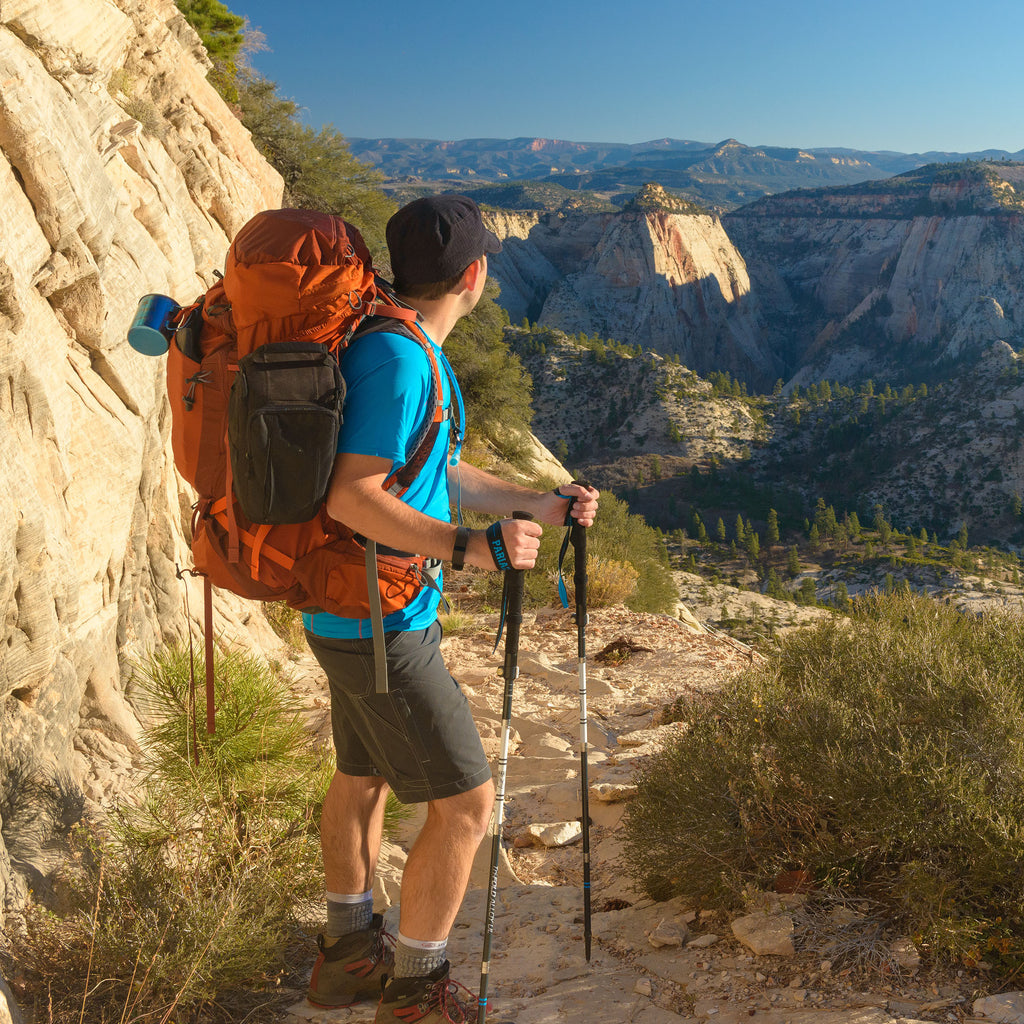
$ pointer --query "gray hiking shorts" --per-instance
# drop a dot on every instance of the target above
(419, 736)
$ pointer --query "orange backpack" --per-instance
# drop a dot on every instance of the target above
(297, 286)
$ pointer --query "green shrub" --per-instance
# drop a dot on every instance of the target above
(194, 888)
(882, 754)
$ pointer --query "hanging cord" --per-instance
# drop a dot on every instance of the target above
(190, 731)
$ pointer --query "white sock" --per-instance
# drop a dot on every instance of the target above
(416, 958)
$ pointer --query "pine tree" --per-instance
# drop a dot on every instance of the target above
(753, 545)
(219, 29)
(773, 526)
(720, 529)
(793, 562)
(820, 516)
(699, 529)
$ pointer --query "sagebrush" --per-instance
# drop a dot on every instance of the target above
(883, 754)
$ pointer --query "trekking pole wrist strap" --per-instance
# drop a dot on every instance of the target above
(571, 498)
(459, 551)
(496, 543)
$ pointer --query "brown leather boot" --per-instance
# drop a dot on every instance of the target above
(351, 968)
(430, 1000)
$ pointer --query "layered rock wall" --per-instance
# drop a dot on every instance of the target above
(122, 172)
(673, 282)
(856, 286)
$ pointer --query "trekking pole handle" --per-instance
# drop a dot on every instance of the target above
(515, 582)
(578, 539)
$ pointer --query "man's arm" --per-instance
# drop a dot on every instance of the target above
(356, 499)
(481, 491)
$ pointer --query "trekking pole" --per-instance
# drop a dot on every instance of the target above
(578, 537)
(512, 607)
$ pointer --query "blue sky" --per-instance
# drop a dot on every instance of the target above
(908, 75)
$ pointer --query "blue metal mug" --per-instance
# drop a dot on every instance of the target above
(150, 332)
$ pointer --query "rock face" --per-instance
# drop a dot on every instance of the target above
(864, 281)
(122, 172)
(664, 280)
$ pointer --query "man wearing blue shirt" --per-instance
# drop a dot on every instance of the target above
(419, 738)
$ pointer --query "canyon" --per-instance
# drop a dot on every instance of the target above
(123, 172)
(897, 280)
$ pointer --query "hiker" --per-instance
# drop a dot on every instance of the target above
(418, 739)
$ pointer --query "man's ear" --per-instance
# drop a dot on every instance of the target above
(472, 273)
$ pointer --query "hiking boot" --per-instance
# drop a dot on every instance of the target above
(352, 968)
(426, 1000)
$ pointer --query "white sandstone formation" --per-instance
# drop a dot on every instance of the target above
(856, 281)
(122, 172)
(669, 281)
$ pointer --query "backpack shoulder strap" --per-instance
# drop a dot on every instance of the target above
(401, 477)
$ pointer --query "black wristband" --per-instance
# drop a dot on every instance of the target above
(459, 551)
(497, 545)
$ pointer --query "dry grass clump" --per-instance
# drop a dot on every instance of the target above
(883, 755)
(609, 582)
(195, 889)
(145, 112)
(286, 622)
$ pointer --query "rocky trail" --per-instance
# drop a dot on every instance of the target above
(778, 961)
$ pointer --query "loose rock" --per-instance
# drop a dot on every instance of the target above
(765, 935)
(668, 933)
(562, 833)
(1007, 1008)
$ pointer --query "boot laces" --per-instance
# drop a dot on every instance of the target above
(445, 996)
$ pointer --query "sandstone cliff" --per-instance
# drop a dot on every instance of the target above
(122, 172)
(665, 280)
(891, 279)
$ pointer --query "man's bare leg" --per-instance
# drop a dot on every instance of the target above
(437, 871)
(350, 831)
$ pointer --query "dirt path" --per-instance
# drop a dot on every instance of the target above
(538, 972)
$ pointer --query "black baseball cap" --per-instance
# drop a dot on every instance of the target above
(437, 237)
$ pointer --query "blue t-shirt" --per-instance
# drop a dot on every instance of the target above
(389, 393)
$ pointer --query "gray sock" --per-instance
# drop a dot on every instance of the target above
(349, 913)
(416, 959)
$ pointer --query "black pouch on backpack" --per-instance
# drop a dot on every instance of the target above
(284, 414)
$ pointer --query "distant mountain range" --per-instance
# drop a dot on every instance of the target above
(720, 176)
